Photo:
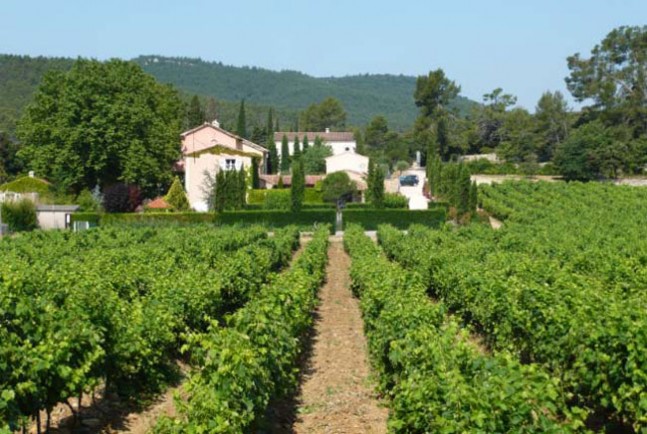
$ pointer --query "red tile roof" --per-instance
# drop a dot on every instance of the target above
(333, 136)
(158, 203)
(311, 180)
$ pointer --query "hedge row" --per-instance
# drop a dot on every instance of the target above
(278, 219)
(370, 219)
(259, 196)
(254, 358)
(106, 219)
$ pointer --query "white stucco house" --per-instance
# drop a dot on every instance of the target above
(209, 148)
(347, 161)
(339, 142)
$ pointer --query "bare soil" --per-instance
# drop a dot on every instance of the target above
(337, 394)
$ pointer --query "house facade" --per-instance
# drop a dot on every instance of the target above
(339, 142)
(207, 149)
(347, 162)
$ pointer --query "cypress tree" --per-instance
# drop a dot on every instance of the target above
(279, 184)
(241, 189)
(273, 157)
(285, 154)
(270, 124)
(195, 114)
(375, 185)
(241, 123)
(276, 127)
(306, 145)
(297, 189)
(296, 152)
(220, 198)
(463, 187)
(473, 206)
(256, 182)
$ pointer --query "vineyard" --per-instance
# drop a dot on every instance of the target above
(561, 289)
(117, 307)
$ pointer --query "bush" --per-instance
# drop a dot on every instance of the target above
(277, 199)
(370, 219)
(121, 198)
(396, 201)
(278, 218)
(176, 197)
(87, 202)
(20, 215)
(312, 195)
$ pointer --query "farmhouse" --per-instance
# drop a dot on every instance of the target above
(339, 142)
(209, 149)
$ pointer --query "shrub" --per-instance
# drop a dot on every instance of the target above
(277, 200)
(87, 201)
(142, 218)
(395, 201)
(20, 215)
(312, 195)
(121, 198)
(28, 184)
(176, 197)
(370, 219)
(338, 186)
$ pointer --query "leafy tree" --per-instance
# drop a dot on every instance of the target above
(285, 154)
(375, 185)
(615, 78)
(552, 124)
(337, 187)
(297, 189)
(519, 141)
(10, 165)
(120, 198)
(593, 151)
(329, 113)
(241, 122)
(376, 133)
(20, 215)
(314, 160)
(195, 114)
(101, 123)
(176, 197)
(490, 117)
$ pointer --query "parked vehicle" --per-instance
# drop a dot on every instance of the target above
(409, 180)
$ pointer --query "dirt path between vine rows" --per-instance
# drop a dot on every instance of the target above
(337, 395)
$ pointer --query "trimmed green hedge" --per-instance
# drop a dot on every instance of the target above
(278, 219)
(257, 207)
(438, 204)
(370, 219)
(104, 219)
(260, 196)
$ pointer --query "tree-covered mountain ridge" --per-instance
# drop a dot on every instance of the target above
(363, 96)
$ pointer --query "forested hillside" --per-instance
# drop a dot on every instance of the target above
(288, 92)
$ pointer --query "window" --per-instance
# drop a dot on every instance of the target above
(230, 164)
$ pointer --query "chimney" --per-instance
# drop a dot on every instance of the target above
(215, 123)
(31, 173)
(327, 130)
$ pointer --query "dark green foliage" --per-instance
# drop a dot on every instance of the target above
(396, 201)
(88, 202)
(120, 198)
(285, 155)
(376, 131)
(434, 92)
(296, 150)
(434, 174)
(375, 181)
(195, 114)
(329, 113)
(230, 190)
(297, 188)
(176, 197)
(338, 187)
(20, 215)
(241, 122)
(151, 218)
(10, 165)
(102, 123)
(314, 160)
(270, 198)
(256, 180)
(473, 198)
(306, 144)
(451, 183)
(273, 162)
(278, 219)
(370, 219)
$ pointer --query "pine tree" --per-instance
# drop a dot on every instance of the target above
(296, 152)
(285, 154)
(306, 145)
(241, 123)
(256, 182)
(195, 114)
(176, 197)
(297, 189)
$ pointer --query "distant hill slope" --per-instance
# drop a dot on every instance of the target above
(363, 96)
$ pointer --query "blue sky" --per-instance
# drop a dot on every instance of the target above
(519, 45)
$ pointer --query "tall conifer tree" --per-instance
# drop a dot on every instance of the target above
(241, 123)
(285, 154)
